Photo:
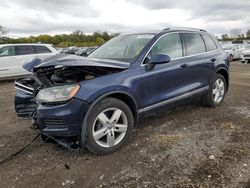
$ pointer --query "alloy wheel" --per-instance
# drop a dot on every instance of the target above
(110, 127)
(218, 90)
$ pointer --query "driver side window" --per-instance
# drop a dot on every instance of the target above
(170, 45)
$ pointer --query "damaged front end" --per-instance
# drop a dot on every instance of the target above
(59, 119)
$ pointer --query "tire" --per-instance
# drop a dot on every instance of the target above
(231, 58)
(109, 126)
(215, 95)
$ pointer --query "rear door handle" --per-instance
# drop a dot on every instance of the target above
(184, 65)
(213, 59)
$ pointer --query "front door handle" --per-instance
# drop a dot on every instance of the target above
(184, 65)
(213, 59)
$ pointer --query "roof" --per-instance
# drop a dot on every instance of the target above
(184, 29)
(25, 44)
(154, 32)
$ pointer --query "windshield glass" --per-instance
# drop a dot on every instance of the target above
(227, 46)
(122, 47)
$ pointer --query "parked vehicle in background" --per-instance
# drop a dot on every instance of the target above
(97, 101)
(245, 55)
(70, 50)
(86, 51)
(234, 51)
(13, 56)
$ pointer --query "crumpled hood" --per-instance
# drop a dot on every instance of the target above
(66, 60)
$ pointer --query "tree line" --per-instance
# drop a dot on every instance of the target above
(77, 38)
(235, 34)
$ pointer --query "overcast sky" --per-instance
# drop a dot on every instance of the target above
(33, 17)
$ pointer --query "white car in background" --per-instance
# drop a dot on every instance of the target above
(234, 51)
(245, 56)
(13, 56)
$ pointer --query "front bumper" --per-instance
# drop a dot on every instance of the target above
(245, 57)
(63, 119)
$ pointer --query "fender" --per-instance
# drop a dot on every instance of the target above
(217, 69)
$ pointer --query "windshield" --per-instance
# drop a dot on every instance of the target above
(122, 47)
(227, 46)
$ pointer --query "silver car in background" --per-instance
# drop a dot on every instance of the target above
(13, 56)
(234, 51)
(245, 55)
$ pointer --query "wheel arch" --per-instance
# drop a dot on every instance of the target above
(120, 95)
(225, 74)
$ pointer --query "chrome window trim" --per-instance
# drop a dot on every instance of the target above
(184, 96)
(142, 65)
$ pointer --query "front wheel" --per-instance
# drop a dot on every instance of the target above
(109, 126)
(216, 92)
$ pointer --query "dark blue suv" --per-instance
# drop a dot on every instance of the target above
(97, 101)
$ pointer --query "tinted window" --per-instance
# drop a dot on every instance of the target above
(194, 43)
(41, 49)
(170, 45)
(209, 43)
(24, 50)
(7, 51)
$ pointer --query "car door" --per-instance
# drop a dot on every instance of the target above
(42, 52)
(165, 81)
(25, 53)
(8, 61)
(199, 62)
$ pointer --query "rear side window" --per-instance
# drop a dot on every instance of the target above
(24, 50)
(194, 43)
(7, 51)
(211, 45)
(41, 49)
(170, 45)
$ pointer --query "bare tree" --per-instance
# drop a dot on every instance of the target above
(3, 31)
(235, 32)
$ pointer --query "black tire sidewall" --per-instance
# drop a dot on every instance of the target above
(96, 110)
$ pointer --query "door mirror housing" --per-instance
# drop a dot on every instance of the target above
(157, 59)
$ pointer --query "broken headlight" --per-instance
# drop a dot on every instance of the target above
(57, 94)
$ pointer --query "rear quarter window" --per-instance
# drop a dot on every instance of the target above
(42, 50)
(210, 44)
(194, 43)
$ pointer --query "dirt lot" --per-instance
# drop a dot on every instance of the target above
(189, 146)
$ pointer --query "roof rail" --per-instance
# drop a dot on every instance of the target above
(184, 28)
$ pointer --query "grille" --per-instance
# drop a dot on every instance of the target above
(248, 55)
(25, 109)
(24, 88)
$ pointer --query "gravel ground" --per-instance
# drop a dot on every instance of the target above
(188, 146)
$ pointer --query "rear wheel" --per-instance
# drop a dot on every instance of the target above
(216, 92)
(109, 126)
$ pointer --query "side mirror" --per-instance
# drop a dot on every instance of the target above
(157, 59)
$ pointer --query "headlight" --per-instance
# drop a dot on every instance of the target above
(57, 94)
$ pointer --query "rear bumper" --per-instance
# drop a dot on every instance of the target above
(63, 119)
